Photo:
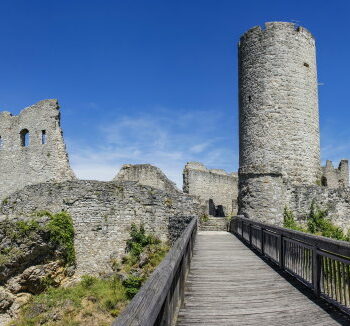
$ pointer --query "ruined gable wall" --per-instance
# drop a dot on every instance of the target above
(102, 214)
(217, 185)
(336, 177)
(20, 165)
(146, 174)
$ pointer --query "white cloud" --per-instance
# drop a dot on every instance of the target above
(164, 138)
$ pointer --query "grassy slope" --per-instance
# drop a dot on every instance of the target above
(96, 301)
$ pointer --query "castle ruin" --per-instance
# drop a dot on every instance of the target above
(217, 189)
(279, 160)
(279, 138)
(32, 149)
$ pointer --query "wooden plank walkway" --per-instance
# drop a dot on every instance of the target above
(229, 284)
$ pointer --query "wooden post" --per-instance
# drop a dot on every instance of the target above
(250, 233)
(316, 271)
(281, 250)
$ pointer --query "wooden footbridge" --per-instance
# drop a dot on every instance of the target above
(256, 274)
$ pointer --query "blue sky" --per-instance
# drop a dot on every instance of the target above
(156, 81)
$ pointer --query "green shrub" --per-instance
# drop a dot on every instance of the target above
(62, 234)
(204, 218)
(132, 285)
(290, 222)
(317, 223)
(88, 281)
(139, 240)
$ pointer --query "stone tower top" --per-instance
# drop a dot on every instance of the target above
(257, 31)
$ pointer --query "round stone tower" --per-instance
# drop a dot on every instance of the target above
(278, 115)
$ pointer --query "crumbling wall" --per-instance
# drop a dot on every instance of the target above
(336, 201)
(102, 214)
(32, 149)
(335, 177)
(216, 188)
(146, 174)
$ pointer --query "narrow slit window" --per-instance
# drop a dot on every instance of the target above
(24, 137)
(43, 137)
(1, 143)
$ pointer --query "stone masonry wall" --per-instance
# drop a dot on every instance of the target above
(43, 159)
(335, 178)
(262, 195)
(278, 101)
(215, 187)
(336, 201)
(278, 117)
(103, 212)
(146, 174)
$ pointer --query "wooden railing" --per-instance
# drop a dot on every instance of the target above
(321, 263)
(159, 299)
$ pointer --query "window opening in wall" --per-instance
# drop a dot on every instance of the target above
(43, 137)
(306, 65)
(249, 98)
(24, 137)
(324, 181)
(0, 142)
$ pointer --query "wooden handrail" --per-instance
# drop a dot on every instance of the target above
(321, 263)
(339, 247)
(159, 299)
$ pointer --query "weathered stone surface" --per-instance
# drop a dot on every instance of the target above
(103, 212)
(33, 279)
(278, 101)
(279, 128)
(262, 195)
(217, 189)
(146, 174)
(6, 299)
(45, 157)
(336, 201)
(335, 178)
(20, 252)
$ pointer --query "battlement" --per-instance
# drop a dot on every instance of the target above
(256, 32)
(32, 149)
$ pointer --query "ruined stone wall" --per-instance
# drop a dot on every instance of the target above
(103, 212)
(335, 177)
(215, 187)
(336, 201)
(146, 174)
(32, 149)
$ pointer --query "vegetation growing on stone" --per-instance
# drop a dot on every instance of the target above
(62, 234)
(317, 223)
(97, 301)
(57, 232)
(204, 218)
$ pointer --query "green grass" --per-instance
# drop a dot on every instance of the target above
(100, 298)
(317, 223)
(96, 301)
